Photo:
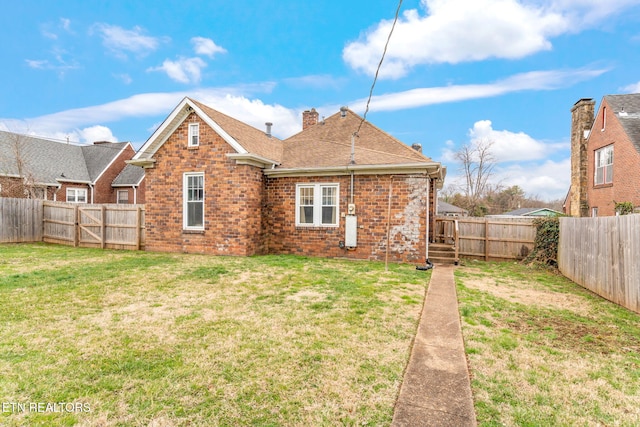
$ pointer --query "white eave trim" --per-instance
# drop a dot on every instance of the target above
(253, 160)
(143, 163)
(171, 123)
(74, 181)
(433, 170)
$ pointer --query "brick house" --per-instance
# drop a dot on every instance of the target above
(605, 156)
(217, 185)
(40, 168)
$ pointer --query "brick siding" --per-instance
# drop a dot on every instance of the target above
(626, 166)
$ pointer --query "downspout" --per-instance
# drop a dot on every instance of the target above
(91, 188)
(135, 194)
(428, 264)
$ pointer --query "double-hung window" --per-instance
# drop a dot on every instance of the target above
(123, 196)
(317, 205)
(604, 166)
(76, 195)
(193, 195)
(194, 134)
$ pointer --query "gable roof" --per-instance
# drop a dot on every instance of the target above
(444, 207)
(50, 162)
(323, 148)
(328, 143)
(627, 110)
(130, 176)
(532, 212)
(247, 141)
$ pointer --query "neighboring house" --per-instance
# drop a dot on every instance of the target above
(40, 168)
(529, 212)
(447, 209)
(217, 185)
(129, 185)
(605, 155)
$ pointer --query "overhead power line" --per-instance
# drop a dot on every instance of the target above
(375, 78)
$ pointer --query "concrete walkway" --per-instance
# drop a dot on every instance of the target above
(436, 390)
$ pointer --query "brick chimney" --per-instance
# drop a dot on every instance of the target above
(582, 116)
(309, 118)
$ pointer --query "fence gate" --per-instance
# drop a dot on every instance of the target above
(96, 226)
(92, 226)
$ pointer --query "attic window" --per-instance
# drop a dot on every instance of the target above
(194, 134)
(604, 118)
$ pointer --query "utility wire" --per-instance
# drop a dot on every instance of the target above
(375, 78)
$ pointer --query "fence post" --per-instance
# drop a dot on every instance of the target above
(138, 225)
(76, 227)
(486, 239)
(103, 227)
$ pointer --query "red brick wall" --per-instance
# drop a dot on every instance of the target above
(61, 194)
(104, 192)
(139, 196)
(371, 197)
(626, 166)
(233, 197)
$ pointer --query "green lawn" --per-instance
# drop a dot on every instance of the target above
(545, 352)
(134, 338)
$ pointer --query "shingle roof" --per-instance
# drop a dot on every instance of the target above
(444, 207)
(627, 109)
(530, 212)
(48, 160)
(253, 140)
(129, 176)
(328, 143)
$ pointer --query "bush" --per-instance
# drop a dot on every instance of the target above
(545, 247)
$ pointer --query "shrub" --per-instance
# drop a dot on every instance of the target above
(545, 247)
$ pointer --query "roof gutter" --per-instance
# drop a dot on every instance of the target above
(434, 170)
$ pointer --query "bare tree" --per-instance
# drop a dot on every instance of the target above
(476, 164)
(16, 162)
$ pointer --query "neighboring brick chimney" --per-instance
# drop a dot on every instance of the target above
(309, 118)
(582, 116)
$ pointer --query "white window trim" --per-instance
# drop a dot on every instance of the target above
(194, 131)
(185, 196)
(605, 167)
(76, 191)
(118, 200)
(317, 204)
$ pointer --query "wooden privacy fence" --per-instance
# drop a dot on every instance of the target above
(488, 238)
(98, 226)
(603, 255)
(20, 220)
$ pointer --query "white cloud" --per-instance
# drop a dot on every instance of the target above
(507, 146)
(535, 80)
(184, 70)
(632, 88)
(119, 40)
(205, 46)
(547, 180)
(234, 101)
(454, 31)
(96, 133)
(286, 122)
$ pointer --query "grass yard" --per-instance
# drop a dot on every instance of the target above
(110, 338)
(545, 352)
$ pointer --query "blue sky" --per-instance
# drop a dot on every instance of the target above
(456, 71)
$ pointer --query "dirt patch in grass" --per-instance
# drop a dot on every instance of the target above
(542, 351)
(532, 294)
(152, 339)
